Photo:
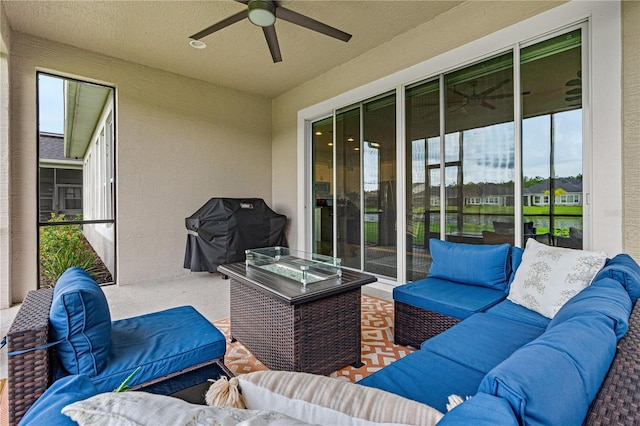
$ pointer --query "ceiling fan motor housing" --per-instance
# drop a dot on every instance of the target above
(262, 13)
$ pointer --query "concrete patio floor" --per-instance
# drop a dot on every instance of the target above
(207, 292)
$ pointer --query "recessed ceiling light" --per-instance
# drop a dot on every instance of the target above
(330, 144)
(318, 133)
(356, 149)
(350, 139)
(197, 44)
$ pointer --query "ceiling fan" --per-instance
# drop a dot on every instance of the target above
(263, 13)
(483, 97)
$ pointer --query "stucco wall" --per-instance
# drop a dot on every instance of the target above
(179, 142)
(631, 125)
(5, 243)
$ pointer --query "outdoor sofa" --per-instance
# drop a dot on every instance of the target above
(67, 331)
(518, 366)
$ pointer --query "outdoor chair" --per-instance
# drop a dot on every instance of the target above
(68, 331)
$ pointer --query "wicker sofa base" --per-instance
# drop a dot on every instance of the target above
(29, 373)
(618, 401)
(413, 325)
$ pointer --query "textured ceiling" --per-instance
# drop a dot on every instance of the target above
(156, 34)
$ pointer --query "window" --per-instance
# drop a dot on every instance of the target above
(76, 180)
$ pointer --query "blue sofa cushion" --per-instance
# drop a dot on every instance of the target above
(451, 299)
(553, 380)
(606, 297)
(625, 270)
(481, 410)
(80, 318)
(426, 377)
(473, 264)
(159, 343)
(508, 309)
(516, 259)
(482, 341)
(47, 409)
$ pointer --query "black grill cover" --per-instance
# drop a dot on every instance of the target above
(221, 230)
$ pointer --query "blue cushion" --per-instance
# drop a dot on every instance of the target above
(482, 341)
(508, 309)
(448, 298)
(606, 297)
(426, 377)
(80, 317)
(625, 270)
(516, 260)
(553, 380)
(160, 343)
(481, 410)
(474, 264)
(47, 409)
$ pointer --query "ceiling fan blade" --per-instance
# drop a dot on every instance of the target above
(220, 25)
(505, 95)
(494, 88)
(459, 93)
(487, 105)
(312, 24)
(272, 41)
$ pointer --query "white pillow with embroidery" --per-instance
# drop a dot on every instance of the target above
(147, 409)
(549, 276)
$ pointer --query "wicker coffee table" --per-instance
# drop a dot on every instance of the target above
(315, 329)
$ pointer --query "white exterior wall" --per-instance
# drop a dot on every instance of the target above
(96, 188)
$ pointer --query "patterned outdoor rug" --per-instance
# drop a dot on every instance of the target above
(378, 349)
(4, 403)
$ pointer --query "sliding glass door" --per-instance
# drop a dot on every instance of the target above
(492, 153)
(552, 139)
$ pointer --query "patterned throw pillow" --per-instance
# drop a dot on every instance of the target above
(549, 276)
(328, 401)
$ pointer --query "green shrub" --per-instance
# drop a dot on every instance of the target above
(63, 247)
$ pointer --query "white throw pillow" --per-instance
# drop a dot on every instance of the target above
(329, 401)
(549, 276)
(142, 408)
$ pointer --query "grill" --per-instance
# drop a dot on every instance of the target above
(221, 230)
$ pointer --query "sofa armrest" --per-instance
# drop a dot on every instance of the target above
(618, 399)
(29, 372)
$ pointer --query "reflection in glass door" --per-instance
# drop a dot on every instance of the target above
(322, 177)
(380, 183)
(422, 174)
(479, 152)
(552, 139)
(365, 209)
(348, 187)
